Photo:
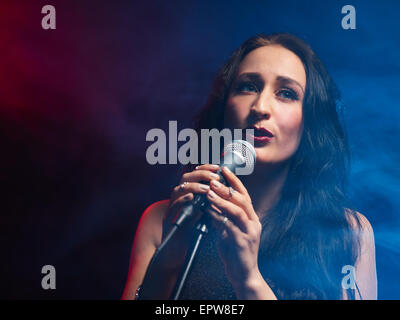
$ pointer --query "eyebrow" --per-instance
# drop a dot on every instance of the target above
(290, 81)
(255, 76)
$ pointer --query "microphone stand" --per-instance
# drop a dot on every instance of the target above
(201, 231)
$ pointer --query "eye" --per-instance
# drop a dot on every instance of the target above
(246, 87)
(288, 94)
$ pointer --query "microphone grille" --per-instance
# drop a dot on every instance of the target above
(245, 149)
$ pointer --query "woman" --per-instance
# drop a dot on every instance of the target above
(289, 232)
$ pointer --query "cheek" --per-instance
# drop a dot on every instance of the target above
(236, 112)
(290, 125)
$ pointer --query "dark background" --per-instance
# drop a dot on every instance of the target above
(76, 104)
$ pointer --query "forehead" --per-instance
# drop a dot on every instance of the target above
(272, 61)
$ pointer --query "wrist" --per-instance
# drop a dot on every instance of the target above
(253, 287)
(249, 282)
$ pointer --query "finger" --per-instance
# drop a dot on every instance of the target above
(234, 212)
(177, 204)
(213, 207)
(181, 200)
(199, 175)
(234, 181)
(225, 225)
(210, 167)
(230, 194)
(237, 185)
(188, 187)
(223, 191)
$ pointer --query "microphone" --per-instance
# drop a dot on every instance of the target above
(239, 157)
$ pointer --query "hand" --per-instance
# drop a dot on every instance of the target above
(191, 183)
(240, 229)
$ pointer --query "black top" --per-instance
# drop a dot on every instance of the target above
(207, 279)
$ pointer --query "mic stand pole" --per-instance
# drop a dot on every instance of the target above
(201, 231)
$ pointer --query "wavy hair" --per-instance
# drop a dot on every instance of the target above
(309, 235)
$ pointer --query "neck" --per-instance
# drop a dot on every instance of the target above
(264, 186)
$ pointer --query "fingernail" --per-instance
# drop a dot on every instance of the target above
(215, 183)
(226, 169)
(214, 176)
(197, 168)
(215, 166)
(204, 187)
(187, 197)
(211, 194)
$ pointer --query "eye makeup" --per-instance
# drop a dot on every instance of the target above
(253, 82)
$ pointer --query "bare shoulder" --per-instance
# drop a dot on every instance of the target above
(358, 221)
(147, 239)
(155, 212)
(365, 264)
(151, 221)
(364, 229)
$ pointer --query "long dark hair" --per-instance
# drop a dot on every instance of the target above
(307, 237)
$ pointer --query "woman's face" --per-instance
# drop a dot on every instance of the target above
(268, 93)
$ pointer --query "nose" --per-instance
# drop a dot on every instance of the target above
(261, 107)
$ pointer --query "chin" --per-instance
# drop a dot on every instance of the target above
(265, 157)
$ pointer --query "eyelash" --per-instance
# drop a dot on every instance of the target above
(292, 94)
(241, 87)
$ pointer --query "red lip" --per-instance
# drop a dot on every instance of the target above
(262, 139)
(261, 134)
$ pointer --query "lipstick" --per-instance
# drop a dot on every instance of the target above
(261, 134)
